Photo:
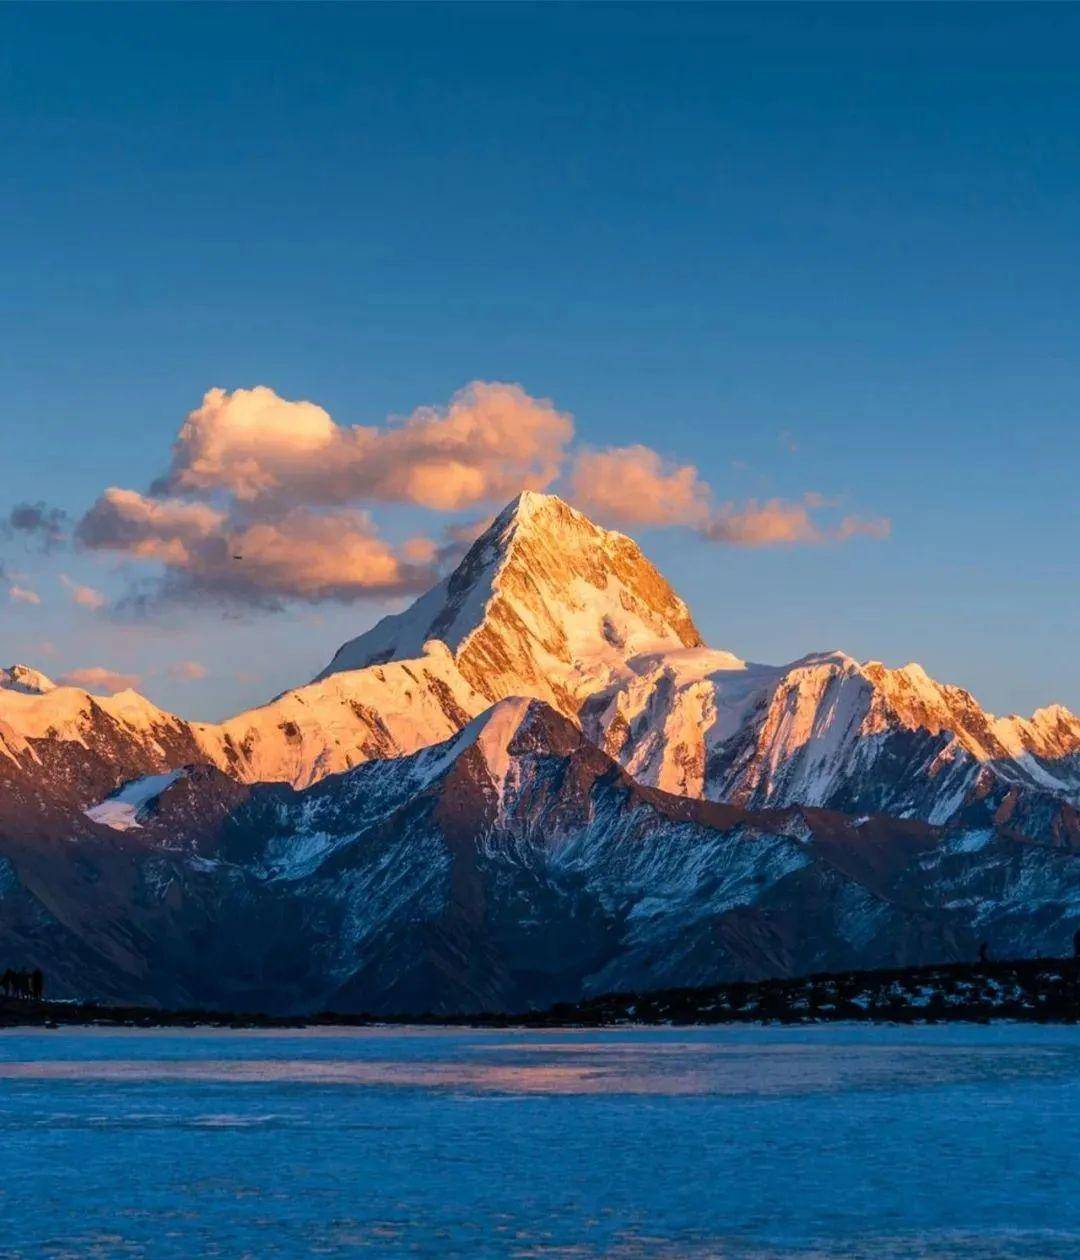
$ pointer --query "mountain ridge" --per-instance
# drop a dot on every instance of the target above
(512, 865)
(547, 604)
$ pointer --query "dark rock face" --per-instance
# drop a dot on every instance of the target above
(511, 867)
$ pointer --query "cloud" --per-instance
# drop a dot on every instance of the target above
(37, 522)
(98, 679)
(84, 596)
(264, 498)
(776, 522)
(635, 486)
(866, 527)
(300, 554)
(767, 524)
(23, 595)
(489, 442)
(168, 530)
(187, 671)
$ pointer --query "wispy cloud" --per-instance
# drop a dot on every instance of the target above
(187, 671)
(84, 596)
(633, 486)
(23, 595)
(97, 678)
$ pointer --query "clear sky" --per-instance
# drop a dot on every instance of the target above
(824, 251)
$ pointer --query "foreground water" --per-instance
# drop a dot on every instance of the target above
(745, 1143)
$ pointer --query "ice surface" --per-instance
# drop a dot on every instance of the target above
(867, 1143)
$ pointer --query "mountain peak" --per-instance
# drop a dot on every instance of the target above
(31, 682)
(515, 725)
(531, 503)
(545, 603)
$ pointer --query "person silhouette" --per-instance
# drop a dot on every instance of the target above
(984, 952)
(37, 984)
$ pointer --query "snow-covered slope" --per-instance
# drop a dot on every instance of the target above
(544, 604)
(74, 747)
(826, 730)
(511, 865)
(345, 718)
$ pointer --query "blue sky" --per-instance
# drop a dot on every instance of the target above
(805, 249)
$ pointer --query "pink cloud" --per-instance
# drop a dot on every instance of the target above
(187, 671)
(23, 595)
(299, 554)
(776, 522)
(323, 555)
(98, 679)
(633, 485)
(264, 500)
(490, 441)
(84, 596)
(767, 524)
(167, 530)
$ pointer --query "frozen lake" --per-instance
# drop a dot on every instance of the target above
(742, 1143)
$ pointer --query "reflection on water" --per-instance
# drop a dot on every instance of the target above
(742, 1143)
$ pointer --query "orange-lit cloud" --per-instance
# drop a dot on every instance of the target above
(168, 530)
(862, 526)
(302, 554)
(263, 498)
(96, 678)
(633, 485)
(266, 499)
(777, 522)
(490, 441)
(768, 524)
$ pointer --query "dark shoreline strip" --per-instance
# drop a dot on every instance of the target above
(1039, 990)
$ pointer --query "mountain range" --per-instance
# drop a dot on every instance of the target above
(535, 784)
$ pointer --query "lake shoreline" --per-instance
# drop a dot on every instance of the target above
(1040, 990)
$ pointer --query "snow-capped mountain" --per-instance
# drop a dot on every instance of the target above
(636, 809)
(544, 604)
(549, 605)
(511, 865)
